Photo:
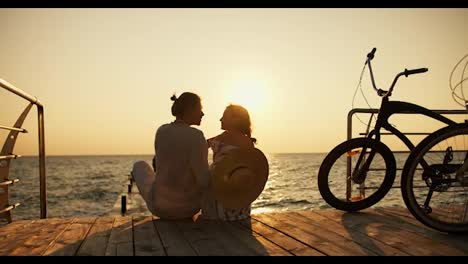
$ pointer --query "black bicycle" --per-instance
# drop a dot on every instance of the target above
(370, 164)
(434, 181)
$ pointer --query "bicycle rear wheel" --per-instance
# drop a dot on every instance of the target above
(435, 195)
(335, 181)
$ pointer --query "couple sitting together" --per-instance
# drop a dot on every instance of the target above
(182, 184)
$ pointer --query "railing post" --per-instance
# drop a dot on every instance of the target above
(348, 159)
(42, 168)
(40, 116)
(123, 204)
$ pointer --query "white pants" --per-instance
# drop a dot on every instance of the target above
(144, 176)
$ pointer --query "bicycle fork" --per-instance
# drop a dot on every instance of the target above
(359, 173)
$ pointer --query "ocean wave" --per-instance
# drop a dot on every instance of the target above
(90, 185)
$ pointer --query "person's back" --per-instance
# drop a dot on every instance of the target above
(173, 189)
(179, 170)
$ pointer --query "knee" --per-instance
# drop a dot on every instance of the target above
(141, 166)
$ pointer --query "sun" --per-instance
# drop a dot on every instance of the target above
(251, 94)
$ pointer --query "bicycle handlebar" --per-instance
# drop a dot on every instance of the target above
(409, 72)
(370, 55)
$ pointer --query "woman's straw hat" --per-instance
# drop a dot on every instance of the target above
(239, 178)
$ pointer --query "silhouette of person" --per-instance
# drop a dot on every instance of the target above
(173, 188)
(236, 123)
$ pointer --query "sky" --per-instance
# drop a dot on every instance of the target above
(105, 76)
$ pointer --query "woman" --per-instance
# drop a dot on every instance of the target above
(237, 134)
(173, 190)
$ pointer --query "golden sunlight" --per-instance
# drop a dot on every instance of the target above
(251, 94)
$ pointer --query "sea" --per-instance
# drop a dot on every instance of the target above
(91, 185)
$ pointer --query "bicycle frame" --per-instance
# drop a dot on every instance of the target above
(387, 109)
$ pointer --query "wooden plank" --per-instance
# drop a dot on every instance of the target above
(396, 210)
(271, 248)
(97, 239)
(374, 230)
(408, 217)
(85, 220)
(14, 235)
(218, 237)
(68, 242)
(312, 232)
(233, 245)
(449, 213)
(337, 239)
(174, 242)
(309, 239)
(41, 239)
(310, 217)
(247, 237)
(458, 210)
(392, 234)
(411, 224)
(456, 241)
(16, 225)
(147, 240)
(290, 244)
(302, 232)
(34, 241)
(255, 241)
(120, 242)
(202, 241)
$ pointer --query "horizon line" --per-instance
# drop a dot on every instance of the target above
(71, 155)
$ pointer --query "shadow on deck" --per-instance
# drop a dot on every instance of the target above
(381, 231)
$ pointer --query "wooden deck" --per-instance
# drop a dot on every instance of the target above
(301, 233)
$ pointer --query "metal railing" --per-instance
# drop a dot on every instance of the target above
(374, 111)
(6, 155)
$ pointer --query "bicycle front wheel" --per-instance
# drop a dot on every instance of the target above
(434, 190)
(335, 181)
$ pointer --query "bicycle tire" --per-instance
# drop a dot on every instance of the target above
(332, 158)
(408, 175)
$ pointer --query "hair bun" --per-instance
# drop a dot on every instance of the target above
(173, 97)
